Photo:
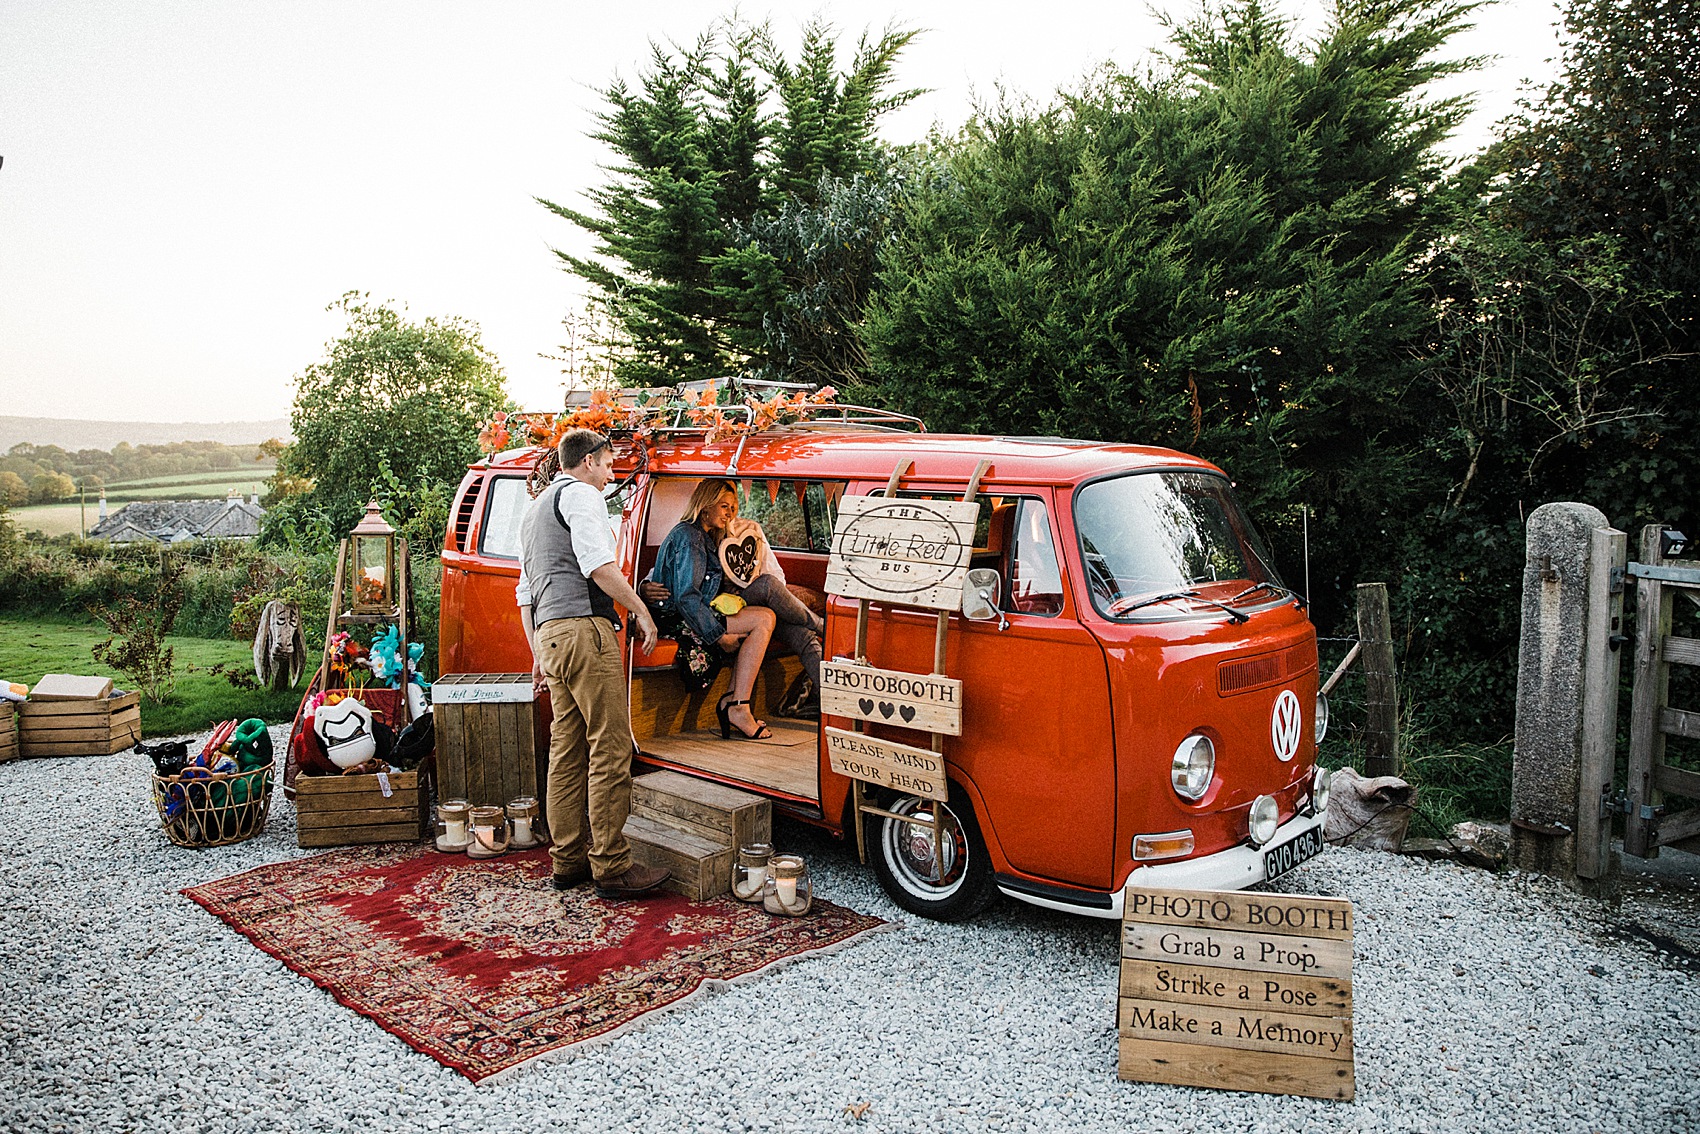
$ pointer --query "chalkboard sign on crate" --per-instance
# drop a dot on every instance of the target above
(488, 751)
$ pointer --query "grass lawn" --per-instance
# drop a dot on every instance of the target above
(30, 647)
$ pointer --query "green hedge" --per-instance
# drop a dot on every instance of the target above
(224, 584)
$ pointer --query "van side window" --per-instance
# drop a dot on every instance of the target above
(1035, 581)
(499, 537)
(796, 515)
(1012, 536)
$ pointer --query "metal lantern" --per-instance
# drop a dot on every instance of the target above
(523, 817)
(749, 876)
(374, 563)
(453, 815)
(787, 890)
(489, 832)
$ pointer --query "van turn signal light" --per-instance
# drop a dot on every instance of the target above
(1171, 844)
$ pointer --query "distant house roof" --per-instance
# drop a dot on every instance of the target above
(172, 521)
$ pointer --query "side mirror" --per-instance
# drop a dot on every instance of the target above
(980, 593)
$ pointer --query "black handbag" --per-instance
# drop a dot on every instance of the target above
(695, 661)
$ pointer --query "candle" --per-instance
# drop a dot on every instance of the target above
(452, 814)
(522, 829)
(791, 894)
(750, 875)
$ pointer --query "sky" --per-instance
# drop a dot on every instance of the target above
(187, 186)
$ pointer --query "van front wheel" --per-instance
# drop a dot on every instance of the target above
(909, 871)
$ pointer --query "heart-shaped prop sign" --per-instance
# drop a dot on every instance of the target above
(742, 551)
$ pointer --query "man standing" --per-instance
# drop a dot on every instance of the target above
(568, 585)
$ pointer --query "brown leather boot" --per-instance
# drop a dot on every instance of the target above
(635, 882)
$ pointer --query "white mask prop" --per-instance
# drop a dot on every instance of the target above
(743, 551)
(345, 729)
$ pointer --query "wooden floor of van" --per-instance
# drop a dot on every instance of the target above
(679, 729)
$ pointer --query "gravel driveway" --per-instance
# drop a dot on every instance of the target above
(1482, 1003)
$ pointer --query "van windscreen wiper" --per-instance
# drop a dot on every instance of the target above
(1276, 587)
(1171, 596)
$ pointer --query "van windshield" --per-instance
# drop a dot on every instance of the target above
(1150, 534)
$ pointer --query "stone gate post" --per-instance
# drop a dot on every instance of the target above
(1567, 696)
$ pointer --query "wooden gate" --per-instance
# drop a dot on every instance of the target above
(1647, 824)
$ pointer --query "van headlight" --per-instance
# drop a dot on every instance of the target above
(1265, 815)
(1320, 783)
(1321, 716)
(1193, 767)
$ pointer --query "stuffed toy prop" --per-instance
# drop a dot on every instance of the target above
(280, 650)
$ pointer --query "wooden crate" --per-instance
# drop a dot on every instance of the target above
(8, 732)
(488, 750)
(339, 811)
(80, 728)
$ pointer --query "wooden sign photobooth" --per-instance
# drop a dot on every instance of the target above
(1242, 991)
(903, 552)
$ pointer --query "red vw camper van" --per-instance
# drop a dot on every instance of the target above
(1140, 706)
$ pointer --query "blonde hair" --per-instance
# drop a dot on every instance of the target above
(707, 492)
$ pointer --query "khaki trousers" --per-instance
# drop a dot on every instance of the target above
(590, 746)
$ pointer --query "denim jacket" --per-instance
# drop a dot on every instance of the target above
(689, 569)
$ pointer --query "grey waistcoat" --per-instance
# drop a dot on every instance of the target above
(558, 588)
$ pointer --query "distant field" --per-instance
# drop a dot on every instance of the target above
(203, 490)
(254, 471)
(51, 519)
(62, 519)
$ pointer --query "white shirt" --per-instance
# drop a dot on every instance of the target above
(585, 513)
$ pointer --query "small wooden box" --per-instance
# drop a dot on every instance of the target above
(93, 727)
(488, 751)
(8, 732)
(339, 811)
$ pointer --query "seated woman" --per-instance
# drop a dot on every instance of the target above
(688, 575)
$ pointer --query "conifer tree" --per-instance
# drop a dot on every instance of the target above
(712, 143)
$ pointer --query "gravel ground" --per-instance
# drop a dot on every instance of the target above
(1482, 1003)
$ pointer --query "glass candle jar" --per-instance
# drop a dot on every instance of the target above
(452, 816)
(787, 891)
(489, 833)
(749, 875)
(523, 818)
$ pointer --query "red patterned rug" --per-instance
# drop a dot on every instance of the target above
(481, 965)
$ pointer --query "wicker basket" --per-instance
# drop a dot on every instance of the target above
(218, 809)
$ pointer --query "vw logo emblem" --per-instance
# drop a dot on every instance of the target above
(1286, 725)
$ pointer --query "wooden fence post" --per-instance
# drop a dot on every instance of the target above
(1653, 603)
(1607, 557)
(1381, 691)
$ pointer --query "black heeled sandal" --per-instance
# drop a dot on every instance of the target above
(723, 710)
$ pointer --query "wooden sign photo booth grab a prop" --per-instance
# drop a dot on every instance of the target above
(1236, 990)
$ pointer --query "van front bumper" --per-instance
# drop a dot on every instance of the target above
(1231, 869)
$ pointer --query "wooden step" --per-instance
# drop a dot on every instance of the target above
(701, 868)
(712, 811)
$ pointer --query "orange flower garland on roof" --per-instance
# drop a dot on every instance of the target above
(605, 414)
